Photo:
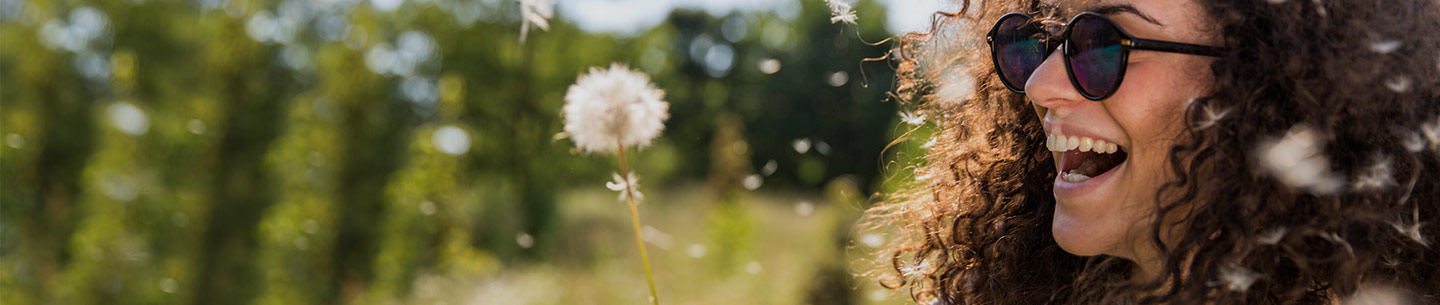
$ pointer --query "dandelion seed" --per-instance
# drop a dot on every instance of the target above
(1273, 236)
(1431, 130)
(840, 11)
(611, 108)
(1375, 177)
(1412, 142)
(956, 86)
(537, 12)
(1235, 278)
(1296, 161)
(1399, 84)
(929, 144)
(912, 119)
(1385, 46)
(916, 269)
(1410, 230)
(1211, 117)
(621, 184)
(1335, 238)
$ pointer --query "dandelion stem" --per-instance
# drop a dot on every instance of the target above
(635, 221)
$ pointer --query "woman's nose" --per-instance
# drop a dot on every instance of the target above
(1049, 86)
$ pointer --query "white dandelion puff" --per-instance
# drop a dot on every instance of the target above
(611, 108)
(912, 119)
(1273, 236)
(1399, 84)
(1212, 116)
(623, 184)
(840, 11)
(536, 12)
(1235, 278)
(1376, 176)
(1296, 161)
(1385, 46)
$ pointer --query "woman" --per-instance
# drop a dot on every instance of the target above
(1173, 152)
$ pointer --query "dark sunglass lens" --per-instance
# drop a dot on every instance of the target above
(1095, 55)
(1018, 51)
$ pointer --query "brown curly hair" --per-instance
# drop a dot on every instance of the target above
(1361, 76)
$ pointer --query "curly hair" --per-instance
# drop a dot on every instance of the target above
(1360, 78)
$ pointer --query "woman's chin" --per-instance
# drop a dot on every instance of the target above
(1074, 236)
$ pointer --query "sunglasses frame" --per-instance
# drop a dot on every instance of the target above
(1127, 43)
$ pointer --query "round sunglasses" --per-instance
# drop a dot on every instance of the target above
(1095, 50)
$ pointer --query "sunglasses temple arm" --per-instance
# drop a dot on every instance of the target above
(1173, 47)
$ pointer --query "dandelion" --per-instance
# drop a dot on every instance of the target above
(1235, 278)
(1411, 230)
(840, 11)
(1211, 116)
(912, 119)
(608, 110)
(1296, 161)
(537, 12)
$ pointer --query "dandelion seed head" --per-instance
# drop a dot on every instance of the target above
(840, 11)
(1399, 84)
(607, 109)
(1235, 278)
(1295, 160)
(1385, 46)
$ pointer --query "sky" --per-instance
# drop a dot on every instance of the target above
(628, 17)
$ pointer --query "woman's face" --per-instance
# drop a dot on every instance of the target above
(1108, 213)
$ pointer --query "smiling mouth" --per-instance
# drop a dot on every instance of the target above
(1082, 157)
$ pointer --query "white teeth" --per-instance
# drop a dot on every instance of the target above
(1056, 142)
(1073, 177)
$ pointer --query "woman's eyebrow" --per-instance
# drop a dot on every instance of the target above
(1111, 9)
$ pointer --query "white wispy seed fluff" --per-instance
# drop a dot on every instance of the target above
(609, 108)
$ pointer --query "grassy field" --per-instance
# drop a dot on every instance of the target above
(766, 248)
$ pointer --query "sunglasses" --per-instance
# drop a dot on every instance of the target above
(1095, 51)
